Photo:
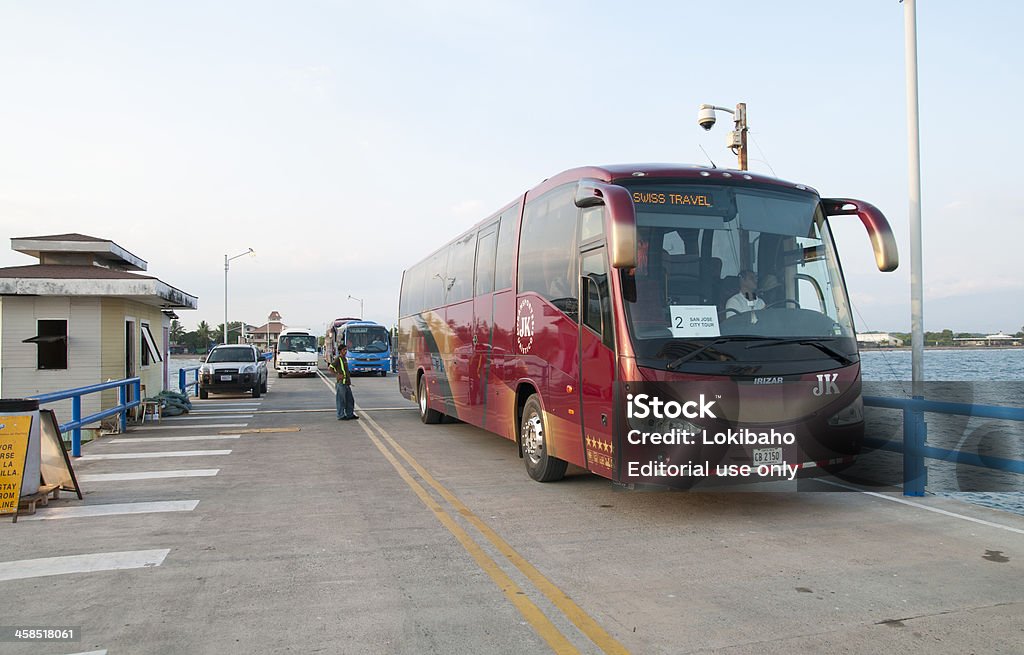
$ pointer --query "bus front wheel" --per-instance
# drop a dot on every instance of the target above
(541, 466)
(427, 415)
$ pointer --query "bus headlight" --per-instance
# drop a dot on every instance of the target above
(853, 413)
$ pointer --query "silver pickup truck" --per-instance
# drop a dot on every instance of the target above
(233, 368)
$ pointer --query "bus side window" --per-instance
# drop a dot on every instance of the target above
(547, 247)
(596, 296)
(461, 256)
(435, 290)
(485, 261)
(591, 223)
(505, 249)
(591, 305)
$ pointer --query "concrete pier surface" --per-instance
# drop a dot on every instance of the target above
(268, 526)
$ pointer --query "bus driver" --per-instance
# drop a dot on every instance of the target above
(746, 300)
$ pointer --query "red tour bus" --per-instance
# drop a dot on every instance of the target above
(641, 321)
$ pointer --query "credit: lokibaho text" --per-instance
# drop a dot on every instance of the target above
(741, 437)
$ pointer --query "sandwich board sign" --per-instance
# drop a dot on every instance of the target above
(14, 433)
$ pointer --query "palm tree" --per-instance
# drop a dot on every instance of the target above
(176, 332)
(204, 332)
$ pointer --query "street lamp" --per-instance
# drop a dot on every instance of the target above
(227, 260)
(914, 192)
(351, 297)
(737, 140)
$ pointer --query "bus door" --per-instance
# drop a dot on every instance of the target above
(597, 362)
(483, 322)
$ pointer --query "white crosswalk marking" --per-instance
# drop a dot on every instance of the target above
(169, 453)
(147, 475)
(112, 509)
(207, 418)
(192, 427)
(199, 437)
(36, 568)
(218, 403)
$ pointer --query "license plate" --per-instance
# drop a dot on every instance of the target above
(225, 378)
(767, 456)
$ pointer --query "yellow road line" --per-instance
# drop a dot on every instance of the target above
(558, 598)
(533, 614)
(586, 624)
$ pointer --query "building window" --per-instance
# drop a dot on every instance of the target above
(51, 344)
(150, 353)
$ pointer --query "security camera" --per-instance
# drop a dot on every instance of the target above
(706, 117)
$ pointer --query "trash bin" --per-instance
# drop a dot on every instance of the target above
(10, 412)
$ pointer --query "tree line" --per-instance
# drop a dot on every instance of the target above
(945, 337)
(204, 337)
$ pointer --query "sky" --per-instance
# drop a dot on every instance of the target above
(344, 141)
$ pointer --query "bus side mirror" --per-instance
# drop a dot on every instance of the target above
(620, 218)
(883, 242)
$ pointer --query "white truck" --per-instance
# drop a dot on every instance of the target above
(297, 352)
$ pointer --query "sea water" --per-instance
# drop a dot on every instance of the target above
(984, 376)
(954, 364)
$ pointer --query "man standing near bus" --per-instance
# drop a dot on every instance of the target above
(343, 400)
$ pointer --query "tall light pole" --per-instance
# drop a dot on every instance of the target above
(227, 260)
(351, 297)
(914, 170)
(737, 139)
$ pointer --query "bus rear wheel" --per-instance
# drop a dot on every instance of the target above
(541, 466)
(427, 415)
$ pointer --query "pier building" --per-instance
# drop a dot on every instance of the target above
(83, 315)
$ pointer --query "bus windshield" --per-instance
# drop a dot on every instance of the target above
(720, 268)
(298, 344)
(366, 339)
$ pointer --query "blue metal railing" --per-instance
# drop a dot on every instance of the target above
(183, 384)
(914, 448)
(77, 420)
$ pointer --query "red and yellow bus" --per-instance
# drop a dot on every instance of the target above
(634, 317)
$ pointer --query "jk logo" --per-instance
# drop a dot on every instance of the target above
(826, 384)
